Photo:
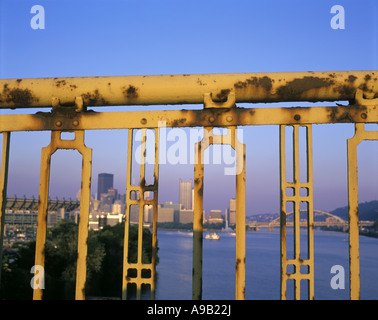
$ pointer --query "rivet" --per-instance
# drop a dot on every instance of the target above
(75, 123)
(297, 117)
(363, 115)
(229, 118)
(211, 119)
(143, 121)
(58, 123)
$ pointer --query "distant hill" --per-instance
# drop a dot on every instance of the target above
(367, 211)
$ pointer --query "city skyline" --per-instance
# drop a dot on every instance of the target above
(177, 38)
(176, 195)
(185, 200)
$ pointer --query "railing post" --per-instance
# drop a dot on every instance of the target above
(232, 140)
(198, 222)
(354, 255)
(139, 265)
(3, 191)
(55, 144)
(296, 198)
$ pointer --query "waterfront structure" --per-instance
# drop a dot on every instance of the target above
(186, 216)
(215, 216)
(98, 220)
(165, 214)
(176, 209)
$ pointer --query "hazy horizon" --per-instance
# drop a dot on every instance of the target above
(148, 37)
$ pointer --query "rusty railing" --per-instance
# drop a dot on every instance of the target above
(69, 98)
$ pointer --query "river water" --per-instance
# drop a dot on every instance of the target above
(262, 266)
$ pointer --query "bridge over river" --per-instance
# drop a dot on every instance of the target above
(331, 221)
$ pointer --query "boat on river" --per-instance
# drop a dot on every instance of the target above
(212, 236)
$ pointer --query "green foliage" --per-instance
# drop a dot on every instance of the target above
(104, 262)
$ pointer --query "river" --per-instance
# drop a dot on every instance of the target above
(262, 266)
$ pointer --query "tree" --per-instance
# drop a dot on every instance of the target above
(108, 282)
(104, 262)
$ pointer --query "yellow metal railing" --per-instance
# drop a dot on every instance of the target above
(69, 98)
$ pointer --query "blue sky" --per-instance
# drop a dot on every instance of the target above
(105, 38)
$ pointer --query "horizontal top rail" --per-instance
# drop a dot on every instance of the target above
(188, 88)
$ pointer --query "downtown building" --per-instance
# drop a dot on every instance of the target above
(186, 200)
(107, 207)
(104, 183)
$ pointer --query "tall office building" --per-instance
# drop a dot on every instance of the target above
(186, 194)
(105, 182)
(232, 212)
(215, 216)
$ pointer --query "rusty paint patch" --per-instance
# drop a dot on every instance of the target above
(237, 264)
(345, 90)
(178, 122)
(223, 95)
(93, 99)
(345, 117)
(340, 115)
(294, 89)
(19, 97)
(131, 92)
(199, 81)
(366, 89)
(59, 83)
(263, 82)
(363, 87)
(352, 78)
(198, 181)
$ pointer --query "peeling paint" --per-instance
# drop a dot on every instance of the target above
(263, 82)
(18, 97)
(131, 92)
(93, 99)
(223, 95)
(294, 89)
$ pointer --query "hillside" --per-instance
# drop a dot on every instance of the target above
(366, 211)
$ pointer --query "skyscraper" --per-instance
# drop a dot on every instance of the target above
(232, 212)
(186, 194)
(105, 182)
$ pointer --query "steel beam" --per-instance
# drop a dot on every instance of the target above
(188, 88)
(188, 118)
